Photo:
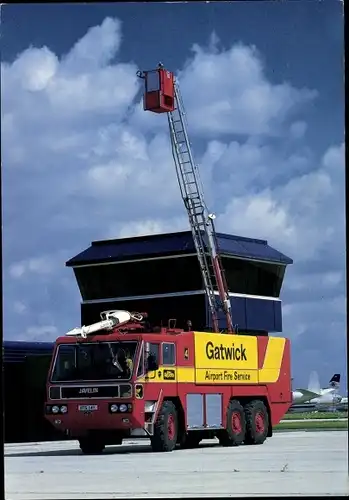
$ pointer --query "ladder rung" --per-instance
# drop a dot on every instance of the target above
(194, 204)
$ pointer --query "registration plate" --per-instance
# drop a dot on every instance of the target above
(88, 407)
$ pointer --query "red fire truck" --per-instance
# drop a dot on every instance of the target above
(123, 377)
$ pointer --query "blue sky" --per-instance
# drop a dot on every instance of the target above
(263, 88)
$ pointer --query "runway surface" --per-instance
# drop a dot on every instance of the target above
(295, 463)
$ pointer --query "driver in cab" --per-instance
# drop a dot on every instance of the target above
(123, 361)
(128, 361)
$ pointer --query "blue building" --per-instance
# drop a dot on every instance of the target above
(18, 352)
(25, 367)
(160, 275)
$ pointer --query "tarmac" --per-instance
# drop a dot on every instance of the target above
(290, 463)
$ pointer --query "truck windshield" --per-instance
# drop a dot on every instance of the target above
(98, 361)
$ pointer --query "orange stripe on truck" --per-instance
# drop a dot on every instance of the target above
(270, 370)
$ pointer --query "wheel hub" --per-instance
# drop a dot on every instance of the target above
(170, 427)
(259, 421)
(236, 422)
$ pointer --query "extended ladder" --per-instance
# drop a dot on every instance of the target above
(201, 221)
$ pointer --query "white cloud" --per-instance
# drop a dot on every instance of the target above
(298, 129)
(42, 267)
(149, 226)
(97, 48)
(112, 156)
(34, 69)
(64, 99)
(83, 161)
(299, 217)
(324, 280)
(19, 307)
(229, 93)
(45, 333)
(39, 265)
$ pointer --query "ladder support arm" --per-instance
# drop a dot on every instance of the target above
(201, 222)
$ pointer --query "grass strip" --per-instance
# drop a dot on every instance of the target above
(303, 424)
(313, 415)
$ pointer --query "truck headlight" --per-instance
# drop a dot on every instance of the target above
(113, 408)
(123, 408)
(55, 409)
(63, 409)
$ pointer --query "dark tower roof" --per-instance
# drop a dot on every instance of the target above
(180, 243)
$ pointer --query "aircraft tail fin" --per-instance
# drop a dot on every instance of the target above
(335, 380)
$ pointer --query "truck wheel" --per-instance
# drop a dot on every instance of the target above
(234, 434)
(91, 446)
(165, 428)
(257, 422)
(190, 441)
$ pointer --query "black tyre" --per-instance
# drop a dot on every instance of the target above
(91, 446)
(190, 441)
(234, 434)
(165, 428)
(257, 422)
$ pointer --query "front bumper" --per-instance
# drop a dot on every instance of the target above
(94, 414)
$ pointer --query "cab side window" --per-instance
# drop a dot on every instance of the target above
(168, 354)
(155, 352)
(65, 363)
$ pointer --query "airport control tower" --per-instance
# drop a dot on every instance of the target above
(160, 275)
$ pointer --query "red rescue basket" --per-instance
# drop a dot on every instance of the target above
(159, 93)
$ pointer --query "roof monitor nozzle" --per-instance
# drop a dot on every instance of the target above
(109, 321)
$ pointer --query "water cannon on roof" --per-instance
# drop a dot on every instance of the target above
(109, 321)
